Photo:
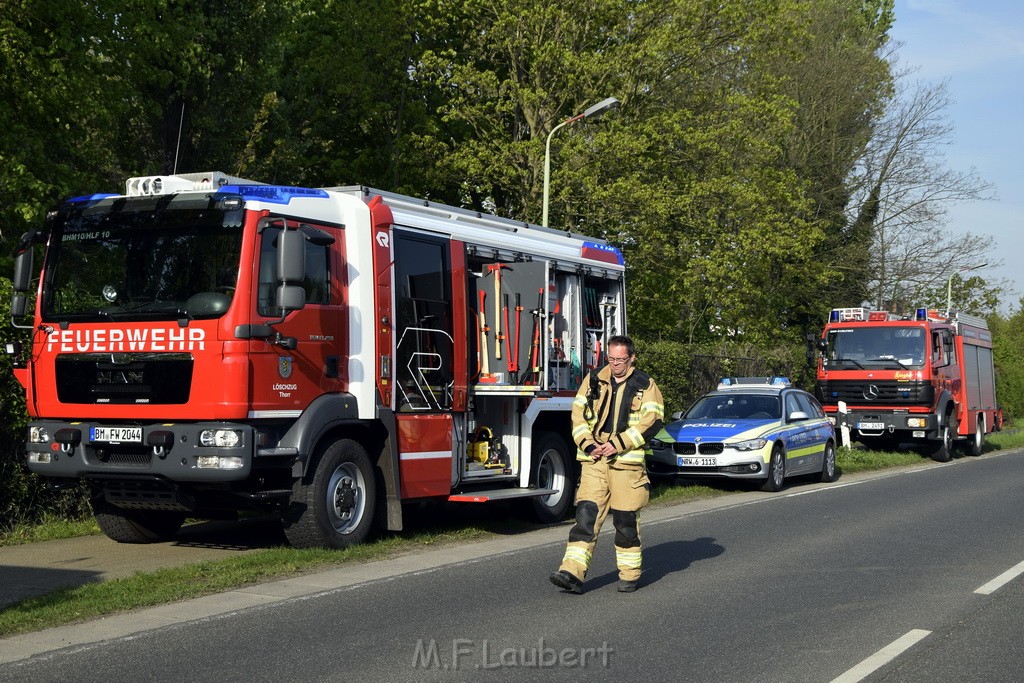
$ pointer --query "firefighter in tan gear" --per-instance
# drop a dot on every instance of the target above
(616, 411)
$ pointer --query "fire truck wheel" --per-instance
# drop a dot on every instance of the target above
(136, 526)
(333, 507)
(977, 443)
(553, 468)
(942, 449)
(828, 466)
(776, 471)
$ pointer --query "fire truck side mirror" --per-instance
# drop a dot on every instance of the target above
(23, 265)
(19, 305)
(291, 270)
(290, 297)
(22, 280)
(291, 257)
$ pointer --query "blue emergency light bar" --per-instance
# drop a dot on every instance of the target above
(90, 198)
(272, 194)
(775, 381)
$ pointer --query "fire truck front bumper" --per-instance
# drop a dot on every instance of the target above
(877, 424)
(205, 452)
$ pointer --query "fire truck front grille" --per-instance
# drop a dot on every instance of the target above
(860, 392)
(132, 378)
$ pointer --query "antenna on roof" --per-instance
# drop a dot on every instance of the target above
(181, 121)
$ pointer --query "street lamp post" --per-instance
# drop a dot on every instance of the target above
(949, 284)
(601, 107)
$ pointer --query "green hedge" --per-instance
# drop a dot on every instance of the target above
(24, 498)
(684, 371)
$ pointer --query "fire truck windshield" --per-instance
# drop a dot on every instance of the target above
(876, 347)
(141, 259)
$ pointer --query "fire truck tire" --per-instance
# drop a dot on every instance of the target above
(776, 471)
(829, 472)
(976, 445)
(136, 526)
(942, 449)
(333, 506)
(553, 467)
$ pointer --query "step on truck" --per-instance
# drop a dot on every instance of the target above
(204, 345)
(926, 379)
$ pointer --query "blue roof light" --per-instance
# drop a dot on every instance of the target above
(602, 252)
(90, 198)
(273, 194)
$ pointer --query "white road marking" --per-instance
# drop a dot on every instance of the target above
(882, 657)
(1001, 580)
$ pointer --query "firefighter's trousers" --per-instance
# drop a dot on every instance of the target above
(620, 490)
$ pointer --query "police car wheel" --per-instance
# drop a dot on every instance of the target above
(829, 472)
(776, 471)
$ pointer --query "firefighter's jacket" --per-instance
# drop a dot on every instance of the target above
(638, 413)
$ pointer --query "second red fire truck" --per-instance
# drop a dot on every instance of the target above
(204, 345)
(926, 378)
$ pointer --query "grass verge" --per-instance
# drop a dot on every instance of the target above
(50, 529)
(145, 589)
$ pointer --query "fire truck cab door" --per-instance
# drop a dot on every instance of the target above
(290, 378)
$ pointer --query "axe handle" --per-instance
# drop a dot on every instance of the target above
(485, 364)
(498, 336)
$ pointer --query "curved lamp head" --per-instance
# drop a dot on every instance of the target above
(601, 107)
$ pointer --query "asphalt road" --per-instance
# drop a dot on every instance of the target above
(872, 578)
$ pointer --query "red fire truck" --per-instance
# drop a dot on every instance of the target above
(204, 345)
(925, 378)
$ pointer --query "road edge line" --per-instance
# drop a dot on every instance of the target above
(882, 657)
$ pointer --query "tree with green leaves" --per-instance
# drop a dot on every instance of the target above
(1008, 349)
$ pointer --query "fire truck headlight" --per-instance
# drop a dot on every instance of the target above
(750, 445)
(219, 462)
(221, 438)
(41, 458)
(38, 435)
(917, 422)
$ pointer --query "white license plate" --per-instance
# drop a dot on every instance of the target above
(116, 434)
(697, 462)
(871, 426)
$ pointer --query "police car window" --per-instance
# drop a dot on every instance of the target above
(764, 408)
(807, 405)
(792, 405)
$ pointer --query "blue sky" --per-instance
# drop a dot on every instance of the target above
(977, 47)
